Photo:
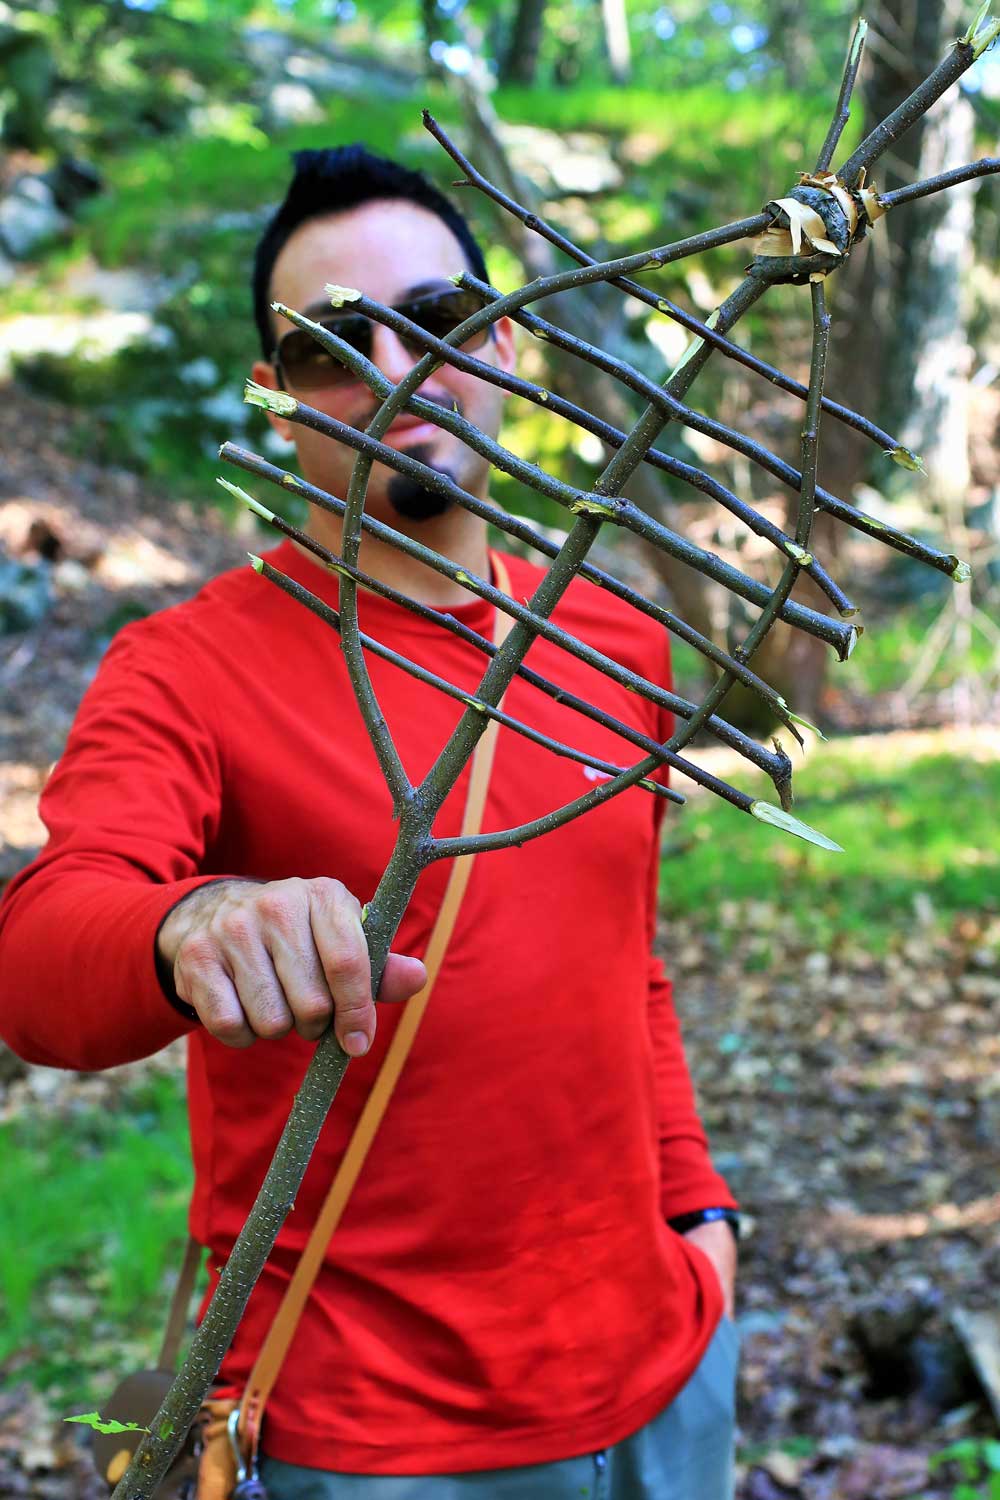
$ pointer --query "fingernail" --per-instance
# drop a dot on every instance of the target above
(356, 1043)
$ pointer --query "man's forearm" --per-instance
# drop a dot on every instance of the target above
(717, 1241)
(78, 983)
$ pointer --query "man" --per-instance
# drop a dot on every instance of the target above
(505, 1308)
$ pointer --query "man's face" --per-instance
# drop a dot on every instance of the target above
(389, 249)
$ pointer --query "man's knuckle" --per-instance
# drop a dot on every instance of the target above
(327, 894)
(346, 968)
(313, 1009)
(352, 1008)
(272, 1026)
(276, 909)
(228, 1028)
(334, 894)
(196, 951)
(236, 927)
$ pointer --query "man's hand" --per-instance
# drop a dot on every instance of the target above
(261, 960)
(717, 1241)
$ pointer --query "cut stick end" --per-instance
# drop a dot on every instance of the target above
(257, 563)
(247, 499)
(906, 459)
(278, 402)
(586, 505)
(985, 39)
(961, 572)
(983, 31)
(766, 812)
(338, 295)
(806, 724)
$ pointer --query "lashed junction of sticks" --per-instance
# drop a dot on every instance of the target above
(802, 239)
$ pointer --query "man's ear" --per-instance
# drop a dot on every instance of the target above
(265, 374)
(506, 351)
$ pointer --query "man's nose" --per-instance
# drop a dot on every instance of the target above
(390, 354)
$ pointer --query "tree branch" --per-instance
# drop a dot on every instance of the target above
(252, 463)
(842, 113)
(331, 616)
(730, 437)
(502, 458)
(677, 706)
(958, 61)
(984, 167)
(706, 331)
(841, 637)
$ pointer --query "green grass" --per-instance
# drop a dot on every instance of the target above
(910, 826)
(751, 116)
(93, 1204)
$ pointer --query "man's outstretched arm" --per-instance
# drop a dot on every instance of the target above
(132, 809)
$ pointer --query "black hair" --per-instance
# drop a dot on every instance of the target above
(334, 179)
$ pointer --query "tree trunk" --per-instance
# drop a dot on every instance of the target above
(925, 354)
(521, 61)
(791, 38)
(431, 23)
(614, 19)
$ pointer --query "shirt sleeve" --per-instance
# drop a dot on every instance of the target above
(131, 807)
(688, 1180)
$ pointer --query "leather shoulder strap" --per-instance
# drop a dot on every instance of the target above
(181, 1302)
(272, 1353)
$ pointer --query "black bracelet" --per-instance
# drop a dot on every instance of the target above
(683, 1222)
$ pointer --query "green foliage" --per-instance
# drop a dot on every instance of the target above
(93, 1419)
(910, 828)
(94, 1211)
(92, 77)
(796, 1446)
(977, 1461)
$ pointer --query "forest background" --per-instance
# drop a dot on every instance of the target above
(840, 1014)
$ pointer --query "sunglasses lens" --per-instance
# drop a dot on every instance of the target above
(307, 366)
(442, 313)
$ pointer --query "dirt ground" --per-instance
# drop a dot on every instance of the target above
(852, 1100)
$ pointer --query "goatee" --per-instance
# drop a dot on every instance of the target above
(411, 499)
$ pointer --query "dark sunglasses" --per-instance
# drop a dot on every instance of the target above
(304, 364)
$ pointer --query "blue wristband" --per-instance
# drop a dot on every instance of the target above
(683, 1222)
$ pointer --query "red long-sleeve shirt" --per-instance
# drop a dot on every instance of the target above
(503, 1288)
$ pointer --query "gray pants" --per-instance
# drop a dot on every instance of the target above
(686, 1453)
